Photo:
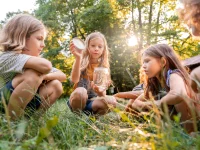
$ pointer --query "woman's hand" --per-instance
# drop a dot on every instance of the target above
(77, 53)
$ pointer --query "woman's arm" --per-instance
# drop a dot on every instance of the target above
(58, 75)
(39, 64)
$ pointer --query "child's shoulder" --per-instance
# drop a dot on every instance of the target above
(5, 55)
(175, 80)
(173, 76)
(13, 57)
(9, 54)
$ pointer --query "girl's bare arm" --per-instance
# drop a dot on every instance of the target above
(140, 104)
(129, 95)
(58, 75)
(177, 91)
(41, 65)
(75, 74)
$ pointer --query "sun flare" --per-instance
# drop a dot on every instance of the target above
(132, 41)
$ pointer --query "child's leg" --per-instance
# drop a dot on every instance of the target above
(25, 86)
(49, 93)
(78, 99)
(185, 115)
(101, 105)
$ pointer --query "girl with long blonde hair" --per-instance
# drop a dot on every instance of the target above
(96, 54)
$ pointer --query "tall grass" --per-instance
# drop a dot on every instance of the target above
(115, 130)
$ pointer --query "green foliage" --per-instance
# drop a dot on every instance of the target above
(151, 21)
(46, 131)
(59, 128)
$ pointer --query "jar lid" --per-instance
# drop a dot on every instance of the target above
(79, 43)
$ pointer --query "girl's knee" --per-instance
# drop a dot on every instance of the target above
(31, 77)
(57, 86)
(100, 107)
(80, 92)
(78, 98)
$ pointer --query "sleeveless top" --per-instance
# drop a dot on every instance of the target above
(85, 79)
(169, 72)
(163, 91)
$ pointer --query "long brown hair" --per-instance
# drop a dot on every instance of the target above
(172, 62)
(14, 34)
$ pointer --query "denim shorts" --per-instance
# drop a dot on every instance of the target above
(88, 108)
(7, 90)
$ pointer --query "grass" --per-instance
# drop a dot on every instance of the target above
(59, 128)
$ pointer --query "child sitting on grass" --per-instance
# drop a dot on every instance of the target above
(26, 79)
(84, 97)
(165, 73)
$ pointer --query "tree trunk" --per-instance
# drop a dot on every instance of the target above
(140, 42)
(150, 23)
(158, 21)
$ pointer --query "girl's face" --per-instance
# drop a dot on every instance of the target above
(35, 43)
(96, 47)
(151, 65)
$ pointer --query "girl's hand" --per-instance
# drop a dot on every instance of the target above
(142, 106)
(128, 107)
(111, 100)
(116, 95)
(158, 103)
(147, 105)
(97, 90)
(77, 53)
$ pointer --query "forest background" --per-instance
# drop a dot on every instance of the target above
(129, 27)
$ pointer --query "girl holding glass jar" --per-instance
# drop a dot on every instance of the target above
(84, 97)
